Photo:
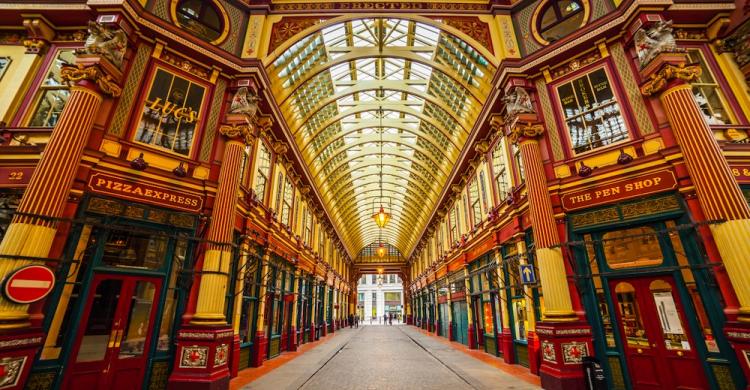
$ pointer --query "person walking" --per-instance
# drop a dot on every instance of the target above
(351, 321)
(356, 321)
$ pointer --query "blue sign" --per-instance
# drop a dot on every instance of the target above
(527, 274)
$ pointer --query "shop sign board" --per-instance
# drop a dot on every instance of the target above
(15, 176)
(741, 173)
(141, 192)
(527, 274)
(28, 284)
(647, 184)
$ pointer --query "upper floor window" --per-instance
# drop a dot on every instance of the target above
(560, 18)
(286, 205)
(476, 208)
(53, 91)
(500, 169)
(201, 18)
(592, 115)
(171, 113)
(707, 92)
(243, 166)
(483, 188)
(519, 163)
(453, 224)
(308, 226)
(264, 171)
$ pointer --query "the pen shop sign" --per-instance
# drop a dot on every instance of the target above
(647, 184)
(141, 192)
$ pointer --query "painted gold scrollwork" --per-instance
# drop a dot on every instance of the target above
(73, 73)
(526, 131)
(240, 131)
(659, 79)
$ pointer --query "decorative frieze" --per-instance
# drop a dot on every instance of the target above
(194, 356)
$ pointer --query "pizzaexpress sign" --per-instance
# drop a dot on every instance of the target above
(142, 192)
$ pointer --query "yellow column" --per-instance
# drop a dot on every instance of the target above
(295, 303)
(718, 193)
(239, 286)
(260, 324)
(33, 228)
(552, 274)
(314, 306)
(504, 319)
(218, 257)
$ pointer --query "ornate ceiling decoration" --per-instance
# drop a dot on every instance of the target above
(337, 85)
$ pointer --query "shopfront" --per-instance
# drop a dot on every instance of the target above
(459, 307)
(443, 319)
(251, 273)
(279, 307)
(127, 272)
(651, 297)
(485, 303)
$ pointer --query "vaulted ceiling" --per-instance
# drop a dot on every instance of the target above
(376, 95)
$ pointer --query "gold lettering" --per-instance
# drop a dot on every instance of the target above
(118, 187)
(127, 188)
(149, 193)
(100, 182)
(138, 191)
(155, 104)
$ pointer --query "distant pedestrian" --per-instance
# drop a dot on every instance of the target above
(390, 319)
(351, 321)
(356, 321)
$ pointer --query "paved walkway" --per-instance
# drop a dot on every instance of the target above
(390, 357)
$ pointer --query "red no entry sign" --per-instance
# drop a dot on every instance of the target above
(28, 284)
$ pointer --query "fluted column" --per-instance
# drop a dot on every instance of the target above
(295, 310)
(718, 193)
(33, 227)
(552, 275)
(218, 257)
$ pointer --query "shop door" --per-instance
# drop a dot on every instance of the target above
(112, 344)
(444, 323)
(461, 322)
(659, 346)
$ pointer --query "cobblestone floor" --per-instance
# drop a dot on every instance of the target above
(388, 358)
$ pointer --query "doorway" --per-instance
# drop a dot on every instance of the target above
(111, 348)
(660, 350)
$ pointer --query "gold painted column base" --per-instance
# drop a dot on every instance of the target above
(552, 275)
(733, 242)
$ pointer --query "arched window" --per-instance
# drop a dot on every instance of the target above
(560, 18)
(201, 18)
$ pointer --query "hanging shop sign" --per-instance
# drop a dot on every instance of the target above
(527, 274)
(647, 184)
(28, 284)
(741, 173)
(141, 192)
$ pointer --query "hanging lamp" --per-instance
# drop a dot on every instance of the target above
(381, 217)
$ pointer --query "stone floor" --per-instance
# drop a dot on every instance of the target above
(391, 357)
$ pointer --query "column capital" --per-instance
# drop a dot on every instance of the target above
(92, 73)
(239, 131)
(527, 130)
(666, 68)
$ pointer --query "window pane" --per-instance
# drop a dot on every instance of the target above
(138, 322)
(636, 247)
(632, 322)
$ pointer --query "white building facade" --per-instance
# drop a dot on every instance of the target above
(378, 296)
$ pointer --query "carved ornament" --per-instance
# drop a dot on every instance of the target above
(527, 130)
(74, 73)
(240, 131)
(659, 79)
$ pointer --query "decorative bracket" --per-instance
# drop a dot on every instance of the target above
(241, 131)
(659, 79)
(107, 84)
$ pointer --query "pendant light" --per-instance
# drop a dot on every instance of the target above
(381, 217)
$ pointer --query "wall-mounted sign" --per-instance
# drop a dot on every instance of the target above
(527, 274)
(15, 176)
(647, 184)
(141, 192)
(28, 284)
(741, 173)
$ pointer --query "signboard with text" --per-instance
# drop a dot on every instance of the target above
(15, 176)
(141, 192)
(741, 173)
(647, 184)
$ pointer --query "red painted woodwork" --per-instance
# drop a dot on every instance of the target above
(259, 349)
(292, 346)
(561, 372)
(234, 359)
(451, 336)
(99, 358)
(471, 333)
(738, 335)
(534, 356)
(652, 365)
(506, 345)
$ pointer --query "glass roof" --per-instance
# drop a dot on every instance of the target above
(355, 88)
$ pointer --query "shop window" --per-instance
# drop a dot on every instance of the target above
(672, 327)
(8, 205)
(500, 169)
(53, 91)
(601, 297)
(483, 188)
(692, 288)
(629, 248)
(132, 343)
(141, 249)
(476, 208)
(560, 18)
(632, 321)
(520, 318)
(373, 278)
(200, 18)
(179, 259)
(264, 171)
(171, 113)
(592, 114)
(707, 92)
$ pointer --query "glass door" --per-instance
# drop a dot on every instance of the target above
(659, 348)
(111, 347)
